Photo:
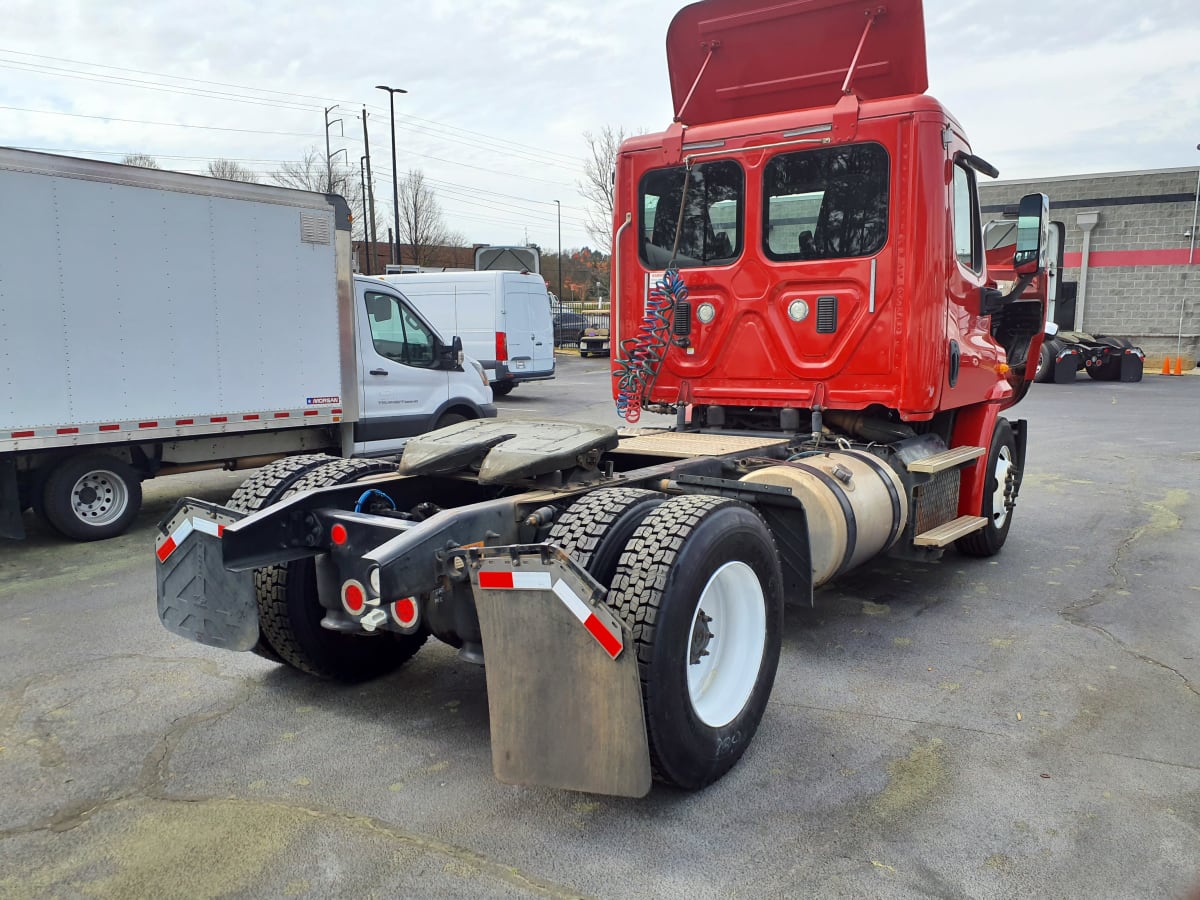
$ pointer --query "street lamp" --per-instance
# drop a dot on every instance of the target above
(392, 92)
(560, 260)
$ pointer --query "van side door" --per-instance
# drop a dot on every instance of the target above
(402, 386)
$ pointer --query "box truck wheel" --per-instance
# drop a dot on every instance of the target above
(91, 497)
(700, 588)
(266, 486)
(595, 528)
(998, 490)
(290, 613)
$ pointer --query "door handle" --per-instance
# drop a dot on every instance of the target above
(379, 371)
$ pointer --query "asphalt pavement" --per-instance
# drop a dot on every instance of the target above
(1025, 726)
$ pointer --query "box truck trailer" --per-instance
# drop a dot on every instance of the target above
(154, 322)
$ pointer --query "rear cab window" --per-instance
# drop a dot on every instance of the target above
(713, 218)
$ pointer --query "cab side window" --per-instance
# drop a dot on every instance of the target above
(397, 333)
(968, 245)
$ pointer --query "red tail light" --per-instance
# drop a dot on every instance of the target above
(501, 346)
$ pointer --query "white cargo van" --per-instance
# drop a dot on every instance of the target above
(153, 322)
(503, 319)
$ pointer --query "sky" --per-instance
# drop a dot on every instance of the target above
(501, 92)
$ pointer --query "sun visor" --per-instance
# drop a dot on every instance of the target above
(758, 58)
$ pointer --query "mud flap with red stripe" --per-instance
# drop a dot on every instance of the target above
(198, 598)
(564, 697)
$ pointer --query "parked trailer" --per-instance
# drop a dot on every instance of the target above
(837, 377)
(153, 322)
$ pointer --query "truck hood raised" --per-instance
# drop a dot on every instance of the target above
(729, 59)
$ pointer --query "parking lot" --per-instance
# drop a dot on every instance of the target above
(1022, 726)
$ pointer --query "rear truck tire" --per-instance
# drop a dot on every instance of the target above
(266, 486)
(91, 497)
(290, 613)
(1002, 476)
(700, 588)
(595, 528)
(502, 388)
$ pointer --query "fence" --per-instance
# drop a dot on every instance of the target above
(573, 317)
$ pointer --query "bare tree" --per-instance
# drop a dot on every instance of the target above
(597, 183)
(422, 227)
(314, 173)
(230, 171)
(139, 159)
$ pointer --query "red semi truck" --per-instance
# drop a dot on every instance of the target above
(799, 277)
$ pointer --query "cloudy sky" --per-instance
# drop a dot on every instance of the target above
(501, 91)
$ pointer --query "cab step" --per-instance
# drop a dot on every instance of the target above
(947, 459)
(949, 532)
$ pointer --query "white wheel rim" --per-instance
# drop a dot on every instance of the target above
(721, 681)
(99, 497)
(1000, 494)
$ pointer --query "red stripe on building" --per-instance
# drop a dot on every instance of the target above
(496, 580)
(611, 645)
(1105, 259)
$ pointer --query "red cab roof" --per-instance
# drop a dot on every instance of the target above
(765, 57)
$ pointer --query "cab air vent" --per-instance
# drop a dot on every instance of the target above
(827, 315)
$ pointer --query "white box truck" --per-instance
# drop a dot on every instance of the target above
(502, 317)
(154, 322)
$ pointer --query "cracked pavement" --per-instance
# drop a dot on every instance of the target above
(1022, 726)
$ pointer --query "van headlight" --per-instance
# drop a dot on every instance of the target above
(478, 368)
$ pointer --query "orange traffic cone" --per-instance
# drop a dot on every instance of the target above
(1166, 365)
(1179, 365)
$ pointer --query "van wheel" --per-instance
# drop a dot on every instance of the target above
(91, 497)
(290, 613)
(447, 419)
(266, 486)
(502, 388)
(700, 588)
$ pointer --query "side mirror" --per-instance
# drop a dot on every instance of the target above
(1033, 224)
(450, 357)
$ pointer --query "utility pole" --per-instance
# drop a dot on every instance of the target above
(370, 185)
(392, 92)
(328, 158)
(558, 203)
(362, 180)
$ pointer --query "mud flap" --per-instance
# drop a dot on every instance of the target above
(1066, 366)
(1131, 366)
(564, 697)
(198, 598)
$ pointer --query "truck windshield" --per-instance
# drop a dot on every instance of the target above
(712, 221)
(830, 203)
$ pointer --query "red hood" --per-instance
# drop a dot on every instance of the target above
(773, 57)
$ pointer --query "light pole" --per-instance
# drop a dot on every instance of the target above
(392, 92)
(560, 260)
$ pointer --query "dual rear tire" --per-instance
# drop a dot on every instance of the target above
(696, 580)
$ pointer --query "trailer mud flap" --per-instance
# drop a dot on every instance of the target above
(198, 598)
(564, 697)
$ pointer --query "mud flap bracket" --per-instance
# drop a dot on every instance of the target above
(564, 696)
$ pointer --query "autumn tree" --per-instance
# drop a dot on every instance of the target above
(230, 171)
(597, 183)
(422, 227)
(315, 173)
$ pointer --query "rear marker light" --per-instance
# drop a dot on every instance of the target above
(337, 534)
(354, 598)
(501, 346)
(405, 612)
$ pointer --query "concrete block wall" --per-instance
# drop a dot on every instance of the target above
(1136, 296)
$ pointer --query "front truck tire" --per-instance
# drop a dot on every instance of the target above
(290, 612)
(998, 489)
(700, 588)
(91, 497)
